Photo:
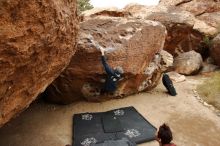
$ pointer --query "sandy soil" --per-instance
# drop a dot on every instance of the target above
(50, 125)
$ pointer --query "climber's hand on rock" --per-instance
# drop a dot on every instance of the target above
(102, 51)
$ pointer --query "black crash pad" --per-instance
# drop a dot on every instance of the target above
(111, 125)
(135, 126)
(119, 142)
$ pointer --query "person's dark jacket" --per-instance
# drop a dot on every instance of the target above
(112, 77)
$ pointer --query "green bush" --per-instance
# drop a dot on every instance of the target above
(83, 5)
(207, 41)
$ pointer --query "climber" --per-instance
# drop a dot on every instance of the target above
(113, 75)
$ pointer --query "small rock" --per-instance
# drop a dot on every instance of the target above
(188, 63)
(206, 104)
(194, 91)
(167, 58)
(174, 76)
(212, 108)
(210, 60)
(206, 67)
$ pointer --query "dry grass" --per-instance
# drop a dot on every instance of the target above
(210, 90)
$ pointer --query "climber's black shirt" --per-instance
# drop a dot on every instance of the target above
(112, 77)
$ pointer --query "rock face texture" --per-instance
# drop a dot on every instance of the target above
(209, 23)
(175, 77)
(137, 10)
(179, 23)
(37, 41)
(196, 7)
(206, 12)
(103, 12)
(212, 19)
(215, 50)
(132, 44)
(167, 59)
(188, 63)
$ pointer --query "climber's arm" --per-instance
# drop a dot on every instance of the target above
(108, 69)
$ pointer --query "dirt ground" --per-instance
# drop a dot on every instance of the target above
(193, 124)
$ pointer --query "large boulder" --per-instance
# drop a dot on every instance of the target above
(205, 28)
(179, 23)
(132, 44)
(211, 21)
(188, 63)
(173, 2)
(197, 7)
(103, 12)
(137, 10)
(37, 41)
(206, 12)
(215, 50)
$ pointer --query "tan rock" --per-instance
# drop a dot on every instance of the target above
(130, 43)
(134, 7)
(212, 20)
(173, 2)
(167, 59)
(175, 77)
(103, 12)
(204, 28)
(179, 23)
(188, 63)
(137, 10)
(197, 7)
(215, 50)
(206, 11)
(37, 40)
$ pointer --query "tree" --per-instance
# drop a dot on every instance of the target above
(83, 5)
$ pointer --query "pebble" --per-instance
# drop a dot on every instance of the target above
(206, 104)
